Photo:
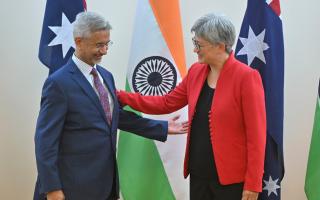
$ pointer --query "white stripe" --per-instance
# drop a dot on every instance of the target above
(148, 41)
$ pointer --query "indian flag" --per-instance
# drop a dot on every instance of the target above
(150, 169)
(312, 182)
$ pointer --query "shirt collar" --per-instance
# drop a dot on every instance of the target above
(83, 67)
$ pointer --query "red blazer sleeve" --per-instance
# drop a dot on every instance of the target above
(254, 113)
(171, 102)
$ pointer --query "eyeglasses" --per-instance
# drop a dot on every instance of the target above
(101, 45)
(196, 44)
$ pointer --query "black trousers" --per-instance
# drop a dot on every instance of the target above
(206, 189)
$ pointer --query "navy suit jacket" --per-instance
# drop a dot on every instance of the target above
(74, 145)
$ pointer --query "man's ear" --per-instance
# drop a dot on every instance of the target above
(78, 41)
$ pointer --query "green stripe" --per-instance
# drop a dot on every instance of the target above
(142, 175)
(312, 183)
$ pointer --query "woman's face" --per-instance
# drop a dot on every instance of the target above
(206, 51)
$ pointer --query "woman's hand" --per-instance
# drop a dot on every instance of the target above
(55, 195)
(120, 94)
(249, 195)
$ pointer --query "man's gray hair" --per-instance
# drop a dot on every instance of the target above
(89, 22)
(215, 28)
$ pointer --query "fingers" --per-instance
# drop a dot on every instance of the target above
(120, 100)
(184, 127)
(175, 127)
(249, 195)
(175, 118)
(185, 124)
(183, 130)
(55, 195)
(118, 92)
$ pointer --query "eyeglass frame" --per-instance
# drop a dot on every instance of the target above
(196, 44)
(107, 44)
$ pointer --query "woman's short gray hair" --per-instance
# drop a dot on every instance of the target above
(89, 22)
(215, 29)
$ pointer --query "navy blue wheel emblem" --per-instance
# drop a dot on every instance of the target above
(155, 76)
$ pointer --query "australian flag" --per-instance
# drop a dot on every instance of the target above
(260, 46)
(56, 44)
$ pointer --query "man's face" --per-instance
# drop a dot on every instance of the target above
(92, 48)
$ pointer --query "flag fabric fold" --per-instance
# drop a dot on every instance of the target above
(312, 181)
(56, 43)
(150, 169)
(260, 46)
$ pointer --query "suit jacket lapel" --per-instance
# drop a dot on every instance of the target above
(78, 77)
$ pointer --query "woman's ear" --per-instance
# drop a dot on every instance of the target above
(221, 46)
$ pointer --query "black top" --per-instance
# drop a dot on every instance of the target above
(201, 162)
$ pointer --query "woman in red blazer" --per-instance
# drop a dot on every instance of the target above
(227, 120)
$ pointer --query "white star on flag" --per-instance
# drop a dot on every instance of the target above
(271, 186)
(253, 46)
(64, 35)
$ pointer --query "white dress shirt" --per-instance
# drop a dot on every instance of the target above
(86, 70)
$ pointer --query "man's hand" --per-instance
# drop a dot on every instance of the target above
(249, 195)
(175, 127)
(55, 195)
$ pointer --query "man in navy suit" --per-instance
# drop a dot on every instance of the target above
(75, 139)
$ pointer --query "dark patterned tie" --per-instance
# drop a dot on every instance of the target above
(103, 94)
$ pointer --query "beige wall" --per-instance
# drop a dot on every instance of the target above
(22, 76)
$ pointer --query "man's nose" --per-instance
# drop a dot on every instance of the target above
(104, 50)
